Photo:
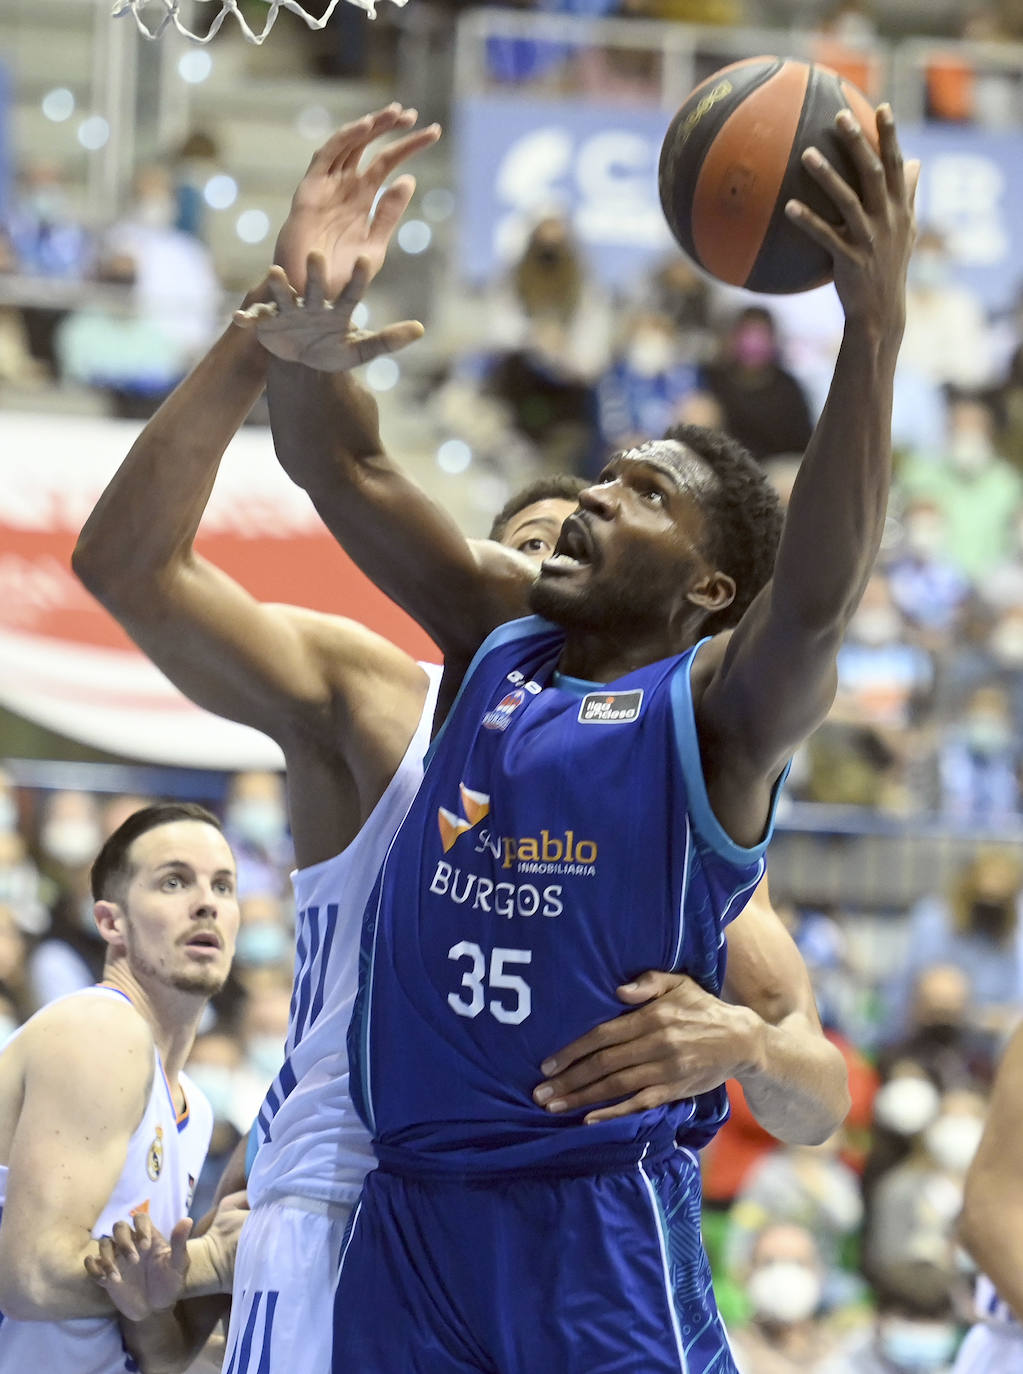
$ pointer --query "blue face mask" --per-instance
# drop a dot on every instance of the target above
(262, 943)
(260, 823)
(919, 1346)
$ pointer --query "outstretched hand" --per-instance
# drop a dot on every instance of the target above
(139, 1269)
(870, 248)
(681, 1041)
(318, 332)
(335, 210)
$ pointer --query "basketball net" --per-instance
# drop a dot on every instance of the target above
(168, 12)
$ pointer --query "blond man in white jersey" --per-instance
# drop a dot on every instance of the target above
(353, 717)
(98, 1122)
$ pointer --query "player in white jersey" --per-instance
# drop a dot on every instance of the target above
(991, 1226)
(98, 1121)
(352, 715)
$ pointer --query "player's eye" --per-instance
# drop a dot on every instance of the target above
(224, 885)
(534, 545)
(172, 881)
(652, 494)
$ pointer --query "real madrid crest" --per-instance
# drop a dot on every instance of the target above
(154, 1155)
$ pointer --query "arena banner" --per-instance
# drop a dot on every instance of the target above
(65, 663)
(518, 158)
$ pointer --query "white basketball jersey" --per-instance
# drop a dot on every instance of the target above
(989, 1306)
(165, 1155)
(311, 1142)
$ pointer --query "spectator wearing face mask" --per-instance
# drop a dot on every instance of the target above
(867, 752)
(647, 382)
(915, 1204)
(980, 760)
(975, 925)
(941, 1038)
(763, 405)
(976, 490)
(786, 1332)
(71, 954)
(256, 826)
(926, 586)
(915, 1329)
(808, 1186)
(947, 339)
(904, 1106)
(265, 939)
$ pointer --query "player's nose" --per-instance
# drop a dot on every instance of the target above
(601, 498)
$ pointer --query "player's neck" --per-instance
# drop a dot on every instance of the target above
(604, 657)
(172, 1015)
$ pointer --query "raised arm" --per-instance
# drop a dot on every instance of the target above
(991, 1223)
(774, 682)
(325, 423)
(400, 537)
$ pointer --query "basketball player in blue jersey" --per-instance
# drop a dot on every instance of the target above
(98, 1122)
(991, 1227)
(353, 717)
(599, 801)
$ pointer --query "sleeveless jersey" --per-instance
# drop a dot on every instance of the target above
(310, 1141)
(164, 1159)
(561, 843)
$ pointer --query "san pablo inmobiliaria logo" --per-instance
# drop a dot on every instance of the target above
(562, 854)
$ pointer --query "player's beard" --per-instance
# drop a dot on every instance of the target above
(618, 604)
(200, 981)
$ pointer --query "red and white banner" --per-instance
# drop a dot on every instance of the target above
(67, 665)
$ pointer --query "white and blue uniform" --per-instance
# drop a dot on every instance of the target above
(164, 1158)
(313, 1152)
(994, 1345)
(561, 843)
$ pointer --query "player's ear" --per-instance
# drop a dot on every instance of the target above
(713, 592)
(110, 922)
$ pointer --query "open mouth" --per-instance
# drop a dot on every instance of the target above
(574, 548)
(203, 939)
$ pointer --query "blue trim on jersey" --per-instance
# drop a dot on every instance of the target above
(707, 824)
(251, 1149)
(504, 634)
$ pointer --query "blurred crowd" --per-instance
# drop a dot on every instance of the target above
(839, 1258)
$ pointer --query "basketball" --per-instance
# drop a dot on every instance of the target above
(731, 160)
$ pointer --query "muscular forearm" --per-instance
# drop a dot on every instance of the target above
(170, 470)
(796, 1083)
(328, 441)
(836, 512)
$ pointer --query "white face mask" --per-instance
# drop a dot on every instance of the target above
(906, 1105)
(952, 1141)
(650, 353)
(924, 536)
(922, 1346)
(71, 842)
(876, 625)
(970, 453)
(1006, 643)
(784, 1291)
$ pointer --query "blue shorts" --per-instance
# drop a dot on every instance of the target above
(603, 1273)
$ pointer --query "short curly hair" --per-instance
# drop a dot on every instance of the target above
(561, 486)
(744, 517)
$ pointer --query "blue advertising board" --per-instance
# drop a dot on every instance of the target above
(597, 164)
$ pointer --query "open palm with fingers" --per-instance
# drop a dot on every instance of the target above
(335, 210)
(315, 331)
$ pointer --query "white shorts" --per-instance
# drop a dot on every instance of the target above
(285, 1273)
(991, 1348)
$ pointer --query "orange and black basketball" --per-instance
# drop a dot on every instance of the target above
(731, 159)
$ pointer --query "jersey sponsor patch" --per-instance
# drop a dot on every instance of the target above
(610, 708)
(498, 717)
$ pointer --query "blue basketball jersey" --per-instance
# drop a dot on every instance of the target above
(561, 843)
